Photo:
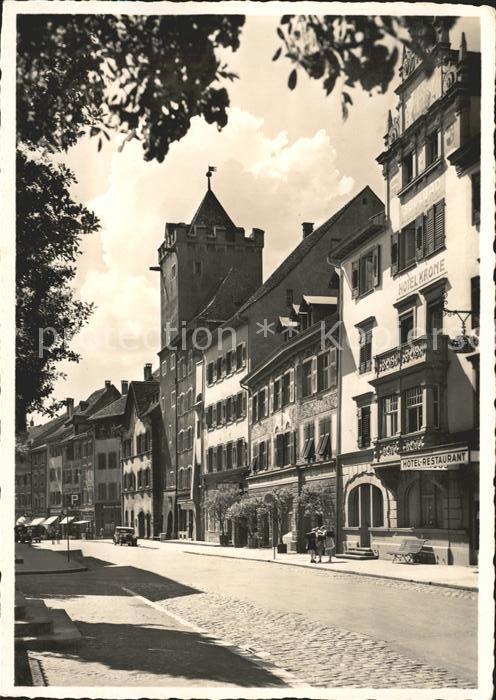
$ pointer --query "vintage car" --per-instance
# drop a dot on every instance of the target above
(125, 535)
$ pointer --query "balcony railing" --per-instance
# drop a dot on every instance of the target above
(431, 350)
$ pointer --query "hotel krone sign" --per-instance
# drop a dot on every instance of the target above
(436, 461)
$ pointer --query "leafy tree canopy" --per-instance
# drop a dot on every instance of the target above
(49, 226)
(218, 502)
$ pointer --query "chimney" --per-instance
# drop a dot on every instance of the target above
(70, 406)
(124, 386)
(307, 228)
(108, 384)
(147, 372)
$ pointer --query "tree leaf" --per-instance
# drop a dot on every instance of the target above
(292, 79)
(277, 54)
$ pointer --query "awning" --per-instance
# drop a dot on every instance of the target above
(81, 522)
(51, 520)
(68, 520)
(37, 521)
(23, 520)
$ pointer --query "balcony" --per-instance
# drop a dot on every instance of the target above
(420, 353)
(390, 449)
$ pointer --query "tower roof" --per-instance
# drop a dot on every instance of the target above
(211, 213)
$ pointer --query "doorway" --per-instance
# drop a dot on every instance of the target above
(141, 524)
(365, 510)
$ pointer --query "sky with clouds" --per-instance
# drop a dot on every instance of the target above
(284, 158)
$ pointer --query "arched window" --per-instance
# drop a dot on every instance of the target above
(353, 516)
(424, 504)
(366, 506)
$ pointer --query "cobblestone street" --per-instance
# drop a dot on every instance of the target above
(246, 605)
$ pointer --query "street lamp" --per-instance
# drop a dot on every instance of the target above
(462, 344)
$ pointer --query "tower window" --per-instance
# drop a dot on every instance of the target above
(197, 267)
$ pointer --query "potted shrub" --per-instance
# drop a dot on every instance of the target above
(283, 499)
(245, 510)
(218, 503)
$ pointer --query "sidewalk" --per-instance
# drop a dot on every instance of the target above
(436, 575)
(39, 560)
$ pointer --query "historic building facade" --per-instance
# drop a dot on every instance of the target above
(409, 438)
(140, 457)
(293, 409)
(206, 268)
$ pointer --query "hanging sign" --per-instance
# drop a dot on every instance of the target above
(436, 461)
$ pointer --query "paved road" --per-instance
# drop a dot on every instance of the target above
(374, 633)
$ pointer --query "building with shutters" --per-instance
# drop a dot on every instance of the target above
(255, 331)
(293, 417)
(142, 457)
(409, 384)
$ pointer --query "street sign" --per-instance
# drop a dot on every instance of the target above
(74, 498)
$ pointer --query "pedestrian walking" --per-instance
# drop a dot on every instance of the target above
(312, 544)
(52, 533)
(101, 533)
(58, 536)
(330, 545)
(321, 533)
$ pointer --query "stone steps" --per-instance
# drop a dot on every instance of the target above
(358, 553)
(63, 633)
(38, 626)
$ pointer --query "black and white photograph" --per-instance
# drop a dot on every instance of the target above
(247, 355)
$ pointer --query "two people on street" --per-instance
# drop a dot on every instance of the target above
(320, 541)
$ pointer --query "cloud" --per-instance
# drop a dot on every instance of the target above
(269, 183)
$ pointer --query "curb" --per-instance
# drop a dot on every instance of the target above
(35, 572)
(355, 573)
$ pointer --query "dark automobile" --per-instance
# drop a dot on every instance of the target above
(22, 534)
(125, 535)
(37, 533)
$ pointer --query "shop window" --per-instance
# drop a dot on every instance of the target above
(353, 505)
(413, 409)
(389, 416)
(424, 504)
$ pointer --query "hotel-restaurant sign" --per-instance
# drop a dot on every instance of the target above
(423, 274)
(437, 461)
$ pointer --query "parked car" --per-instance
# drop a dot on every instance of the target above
(125, 535)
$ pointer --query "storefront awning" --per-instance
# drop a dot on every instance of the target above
(37, 521)
(50, 520)
(23, 520)
(66, 520)
(81, 522)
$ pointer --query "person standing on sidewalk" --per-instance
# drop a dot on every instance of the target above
(330, 545)
(321, 533)
(312, 544)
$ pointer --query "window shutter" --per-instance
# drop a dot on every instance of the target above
(419, 237)
(429, 231)
(243, 354)
(214, 415)
(234, 456)
(224, 412)
(354, 279)
(359, 427)
(294, 447)
(314, 375)
(243, 409)
(377, 265)
(291, 385)
(394, 253)
(333, 367)
(267, 448)
(254, 403)
(266, 402)
(271, 399)
(439, 225)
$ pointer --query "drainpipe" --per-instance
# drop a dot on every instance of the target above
(339, 478)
